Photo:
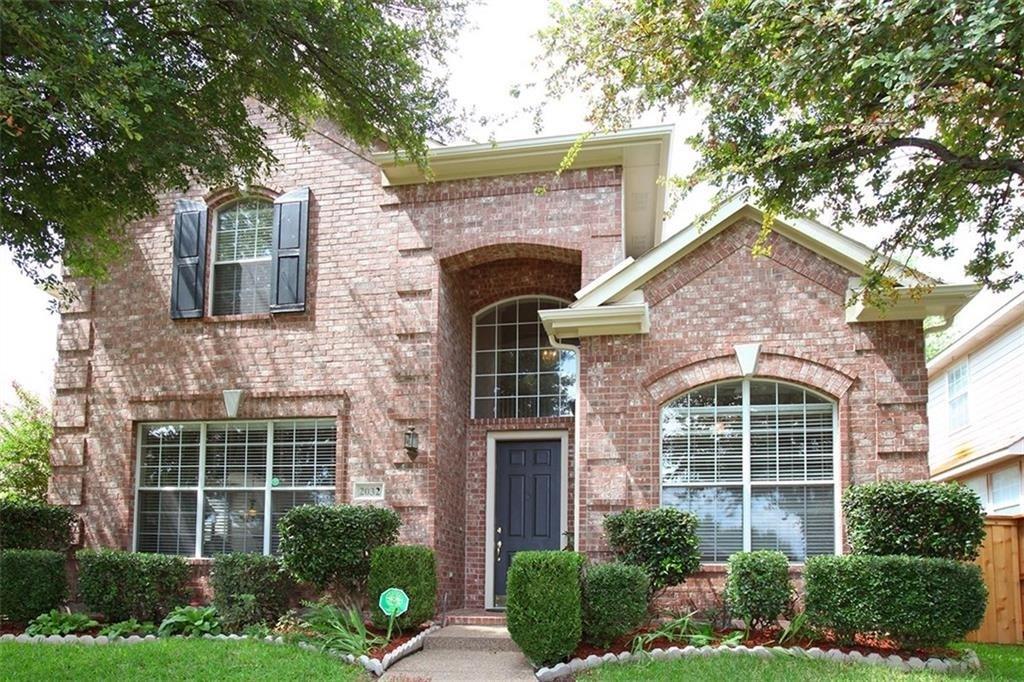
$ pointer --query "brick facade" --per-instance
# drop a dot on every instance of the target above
(394, 278)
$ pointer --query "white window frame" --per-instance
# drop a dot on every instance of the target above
(201, 490)
(747, 484)
(472, 376)
(988, 501)
(964, 393)
(215, 222)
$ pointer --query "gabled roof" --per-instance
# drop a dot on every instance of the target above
(623, 283)
(641, 152)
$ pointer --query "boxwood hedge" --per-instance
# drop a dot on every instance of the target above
(411, 568)
(916, 601)
(35, 525)
(614, 601)
(32, 582)
(249, 589)
(544, 604)
(916, 518)
(123, 585)
(661, 541)
(757, 587)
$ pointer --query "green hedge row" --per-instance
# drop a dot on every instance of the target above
(249, 589)
(916, 601)
(614, 601)
(35, 525)
(32, 581)
(123, 585)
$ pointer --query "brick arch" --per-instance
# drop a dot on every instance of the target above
(226, 195)
(464, 256)
(792, 368)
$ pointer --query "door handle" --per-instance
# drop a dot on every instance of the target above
(497, 549)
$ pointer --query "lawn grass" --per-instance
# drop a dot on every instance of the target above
(998, 663)
(169, 659)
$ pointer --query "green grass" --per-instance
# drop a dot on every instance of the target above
(998, 663)
(169, 659)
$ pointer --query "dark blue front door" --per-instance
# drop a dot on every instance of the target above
(527, 503)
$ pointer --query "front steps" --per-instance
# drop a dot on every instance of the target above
(475, 617)
(464, 653)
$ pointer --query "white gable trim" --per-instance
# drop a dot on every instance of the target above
(826, 242)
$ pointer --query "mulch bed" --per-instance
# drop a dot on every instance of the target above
(768, 638)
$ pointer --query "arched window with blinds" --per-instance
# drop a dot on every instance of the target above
(755, 460)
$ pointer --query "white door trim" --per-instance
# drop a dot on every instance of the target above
(493, 437)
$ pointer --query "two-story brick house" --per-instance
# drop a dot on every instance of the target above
(555, 357)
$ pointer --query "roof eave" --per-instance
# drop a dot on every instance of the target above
(910, 303)
(571, 323)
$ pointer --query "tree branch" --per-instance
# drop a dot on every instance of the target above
(947, 156)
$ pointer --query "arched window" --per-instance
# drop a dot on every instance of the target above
(516, 372)
(755, 460)
(242, 257)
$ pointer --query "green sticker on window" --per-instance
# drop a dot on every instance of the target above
(275, 481)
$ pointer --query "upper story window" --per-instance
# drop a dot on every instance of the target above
(956, 396)
(755, 461)
(210, 488)
(516, 372)
(242, 258)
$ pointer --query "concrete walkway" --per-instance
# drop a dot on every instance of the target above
(464, 652)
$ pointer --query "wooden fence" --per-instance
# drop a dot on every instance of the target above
(1002, 563)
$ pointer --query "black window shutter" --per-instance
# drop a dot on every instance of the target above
(188, 267)
(288, 274)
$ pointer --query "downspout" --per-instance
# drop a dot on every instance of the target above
(555, 343)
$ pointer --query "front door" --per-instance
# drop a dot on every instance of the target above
(527, 503)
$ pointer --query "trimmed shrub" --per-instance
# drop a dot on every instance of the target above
(916, 518)
(32, 582)
(411, 568)
(614, 601)
(916, 601)
(123, 585)
(249, 589)
(331, 545)
(757, 587)
(544, 604)
(661, 541)
(35, 525)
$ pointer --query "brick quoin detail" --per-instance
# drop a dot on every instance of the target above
(394, 277)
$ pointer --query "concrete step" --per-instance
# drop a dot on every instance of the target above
(451, 666)
(475, 617)
(471, 638)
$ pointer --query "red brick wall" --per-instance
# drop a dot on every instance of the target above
(701, 307)
(381, 346)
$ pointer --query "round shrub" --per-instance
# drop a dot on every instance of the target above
(32, 581)
(411, 568)
(249, 589)
(123, 585)
(916, 601)
(614, 601)
(543, 604)
(331, 545)
(661, 541)
(35, 525)
(916, 518)
(757, 587)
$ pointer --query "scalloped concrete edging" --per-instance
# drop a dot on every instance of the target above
(935, 664)
(376, 666)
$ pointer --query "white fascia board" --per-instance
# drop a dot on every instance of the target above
(829, 243)
(571, 323)
(992, 326)
(517, 156)
(944, 300)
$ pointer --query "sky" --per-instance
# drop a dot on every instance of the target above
(496, 53)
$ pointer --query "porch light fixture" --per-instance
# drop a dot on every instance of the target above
(232, 398)
(412, 443)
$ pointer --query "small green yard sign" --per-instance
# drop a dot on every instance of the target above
(393, 602)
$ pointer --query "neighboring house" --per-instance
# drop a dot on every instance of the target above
(554, 357)
(976, 410)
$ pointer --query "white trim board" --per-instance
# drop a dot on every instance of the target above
(493, 437)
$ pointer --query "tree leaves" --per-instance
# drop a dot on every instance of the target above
(108, 105)
(902, 114)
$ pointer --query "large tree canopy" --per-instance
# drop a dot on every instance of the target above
(901, 112)
(104, 105)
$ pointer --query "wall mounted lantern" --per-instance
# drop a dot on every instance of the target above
(412, 443)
